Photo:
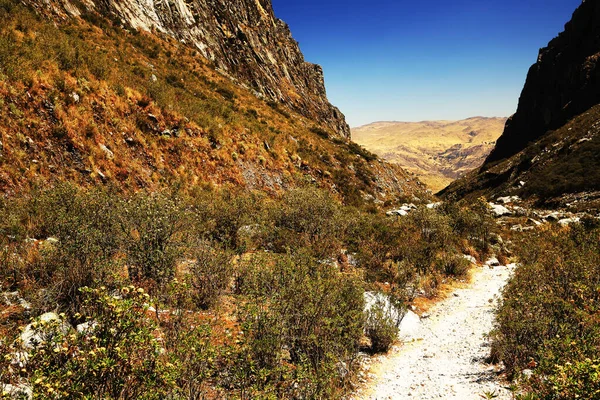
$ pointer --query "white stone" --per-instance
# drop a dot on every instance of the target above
(16, 391)
(400, 213)
(499, 210)
(409, 327)
(75, 97)
(508, 199)
(109, 154)
(32, 336)
(492, 262)
(569, 221)
(87, 327)
(470, 258)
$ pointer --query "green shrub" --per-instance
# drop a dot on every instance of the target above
(381, 327)
(154, 229)
(453, 265)
(304, 313)
(210, 273)
(549, 314)
(83, 230)
(117, 357)
(308, 218)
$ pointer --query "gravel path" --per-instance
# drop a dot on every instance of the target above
(444, 358)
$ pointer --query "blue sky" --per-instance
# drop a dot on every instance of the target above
(424, 60)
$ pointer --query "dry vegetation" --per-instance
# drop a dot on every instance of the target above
(212, 294)
(91, 102)
(548, 323)
(438, 152)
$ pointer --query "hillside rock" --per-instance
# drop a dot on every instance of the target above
(563, 83)
(242, 38)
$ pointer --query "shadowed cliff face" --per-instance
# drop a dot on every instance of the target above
(243, 39)
(563, 83)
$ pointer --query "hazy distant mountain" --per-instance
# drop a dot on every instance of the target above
(438, 152)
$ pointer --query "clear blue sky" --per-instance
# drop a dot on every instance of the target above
(424, 60)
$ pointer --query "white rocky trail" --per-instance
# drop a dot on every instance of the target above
(443, 356)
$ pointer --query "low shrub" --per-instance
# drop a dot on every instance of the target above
(117, 356)
(381, 327)
(153, 230)
(210, 274)
(548, 319)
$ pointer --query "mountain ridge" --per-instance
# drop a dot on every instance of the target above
(548, 150)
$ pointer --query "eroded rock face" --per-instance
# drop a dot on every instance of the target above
(243, 38)
(563, 83)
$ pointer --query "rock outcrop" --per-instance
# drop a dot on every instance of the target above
(242, 38)
(563, 83)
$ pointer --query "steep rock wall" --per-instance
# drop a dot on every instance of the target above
(563, 83)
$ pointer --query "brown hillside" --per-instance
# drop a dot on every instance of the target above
(87, 101)
(438, 152)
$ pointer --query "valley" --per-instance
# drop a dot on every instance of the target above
(185, 215)
(437, 152)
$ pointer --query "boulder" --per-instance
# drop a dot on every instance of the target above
(569, 221)
(508, 199)
(409, 327)
(492, 262)
(470, 258)
(38, 331)
(400, 213)
(21, 391)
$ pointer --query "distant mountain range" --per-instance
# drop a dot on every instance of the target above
(438, 152)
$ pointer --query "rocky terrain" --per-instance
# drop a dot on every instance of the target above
(438, 152)
(242, 38)
(548, 149)
(561, 85)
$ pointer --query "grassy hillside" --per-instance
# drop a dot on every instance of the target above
(438, 152)
(90, 102)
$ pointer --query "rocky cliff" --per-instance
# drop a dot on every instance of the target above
(242, 38)
(563, 83)
(549, 149)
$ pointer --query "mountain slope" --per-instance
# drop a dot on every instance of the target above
(86, 101)
(438, 152)
(242, 38)
(548, 149)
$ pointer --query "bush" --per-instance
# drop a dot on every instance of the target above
(303, 313)
(381, 327)
(154, 229)
(116, 357)
(210, 273)
(549, 314)
(83, 231)
(308, 218)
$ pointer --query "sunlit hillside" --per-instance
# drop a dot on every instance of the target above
(438, 152)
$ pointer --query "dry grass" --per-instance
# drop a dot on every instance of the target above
(71, 91)
(436, 151)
